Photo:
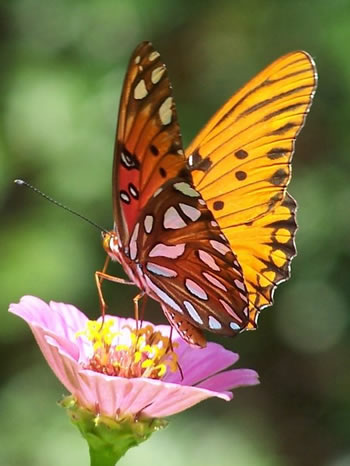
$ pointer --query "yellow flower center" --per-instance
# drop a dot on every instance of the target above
(147, 354)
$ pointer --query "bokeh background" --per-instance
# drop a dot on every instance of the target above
(62, 69)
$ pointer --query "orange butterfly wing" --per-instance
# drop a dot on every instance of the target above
(147, 140)
(265, 249)
(240, 163)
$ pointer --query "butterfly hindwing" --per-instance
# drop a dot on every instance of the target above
(187, 263)
(265, 249)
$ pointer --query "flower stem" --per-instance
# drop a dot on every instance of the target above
(109, 439)
(104, 457)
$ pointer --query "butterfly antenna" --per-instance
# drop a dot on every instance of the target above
(58, 204)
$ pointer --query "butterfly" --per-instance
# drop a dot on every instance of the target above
(207, 232)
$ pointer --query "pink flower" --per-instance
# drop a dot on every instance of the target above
(151, 387)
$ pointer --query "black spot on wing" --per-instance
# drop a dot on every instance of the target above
(277, 152)
(218, 205)
(154, 149)
(279, 177)
(128, 160)
(241, 154)
(198, 163)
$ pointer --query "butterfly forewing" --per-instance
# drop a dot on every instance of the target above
(240, 162)
(148, 148)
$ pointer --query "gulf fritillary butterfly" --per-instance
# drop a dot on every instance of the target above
(208, 232)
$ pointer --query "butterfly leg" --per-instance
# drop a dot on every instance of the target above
(102, 275)
(136, 300)
(171, 348)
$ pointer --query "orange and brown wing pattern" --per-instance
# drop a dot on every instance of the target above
(187, 263)
(148, 148)
(240, 161)
(208, 234)
(241, 164)
(265, 249)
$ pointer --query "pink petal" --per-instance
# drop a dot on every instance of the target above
(61, 320)
(231, 379)
(153, 398)
(197, 364)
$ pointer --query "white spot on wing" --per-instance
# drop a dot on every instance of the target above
(125, 197)
(190, 212)
(133, 242)
(239, 284)
(140, 90)
(148, 223)
(220, 247)
(208, 260)
(163, 250)
(157, 73)
(214, 324)
(186, 189)
(214, 224)
(214, 281)
(158, 191)
(192, 312)
(160, 270)
(195, 289)
(165, 111)
(229, 309)
(235, 326)
(128, 162)
(172, 219)
(133, 191)
(137, 59)
(153, 55)
(166, 299)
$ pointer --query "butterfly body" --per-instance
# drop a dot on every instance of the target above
(208, 232)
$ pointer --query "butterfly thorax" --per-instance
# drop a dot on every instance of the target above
(114, 249)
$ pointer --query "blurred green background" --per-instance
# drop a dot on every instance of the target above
(63, 64)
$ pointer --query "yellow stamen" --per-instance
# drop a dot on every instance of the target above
(149, 353)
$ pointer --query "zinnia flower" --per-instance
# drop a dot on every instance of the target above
(117, 371)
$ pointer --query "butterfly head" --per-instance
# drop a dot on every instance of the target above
(110, 244)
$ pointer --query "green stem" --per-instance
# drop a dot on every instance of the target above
(109, 439)
(104, 457)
